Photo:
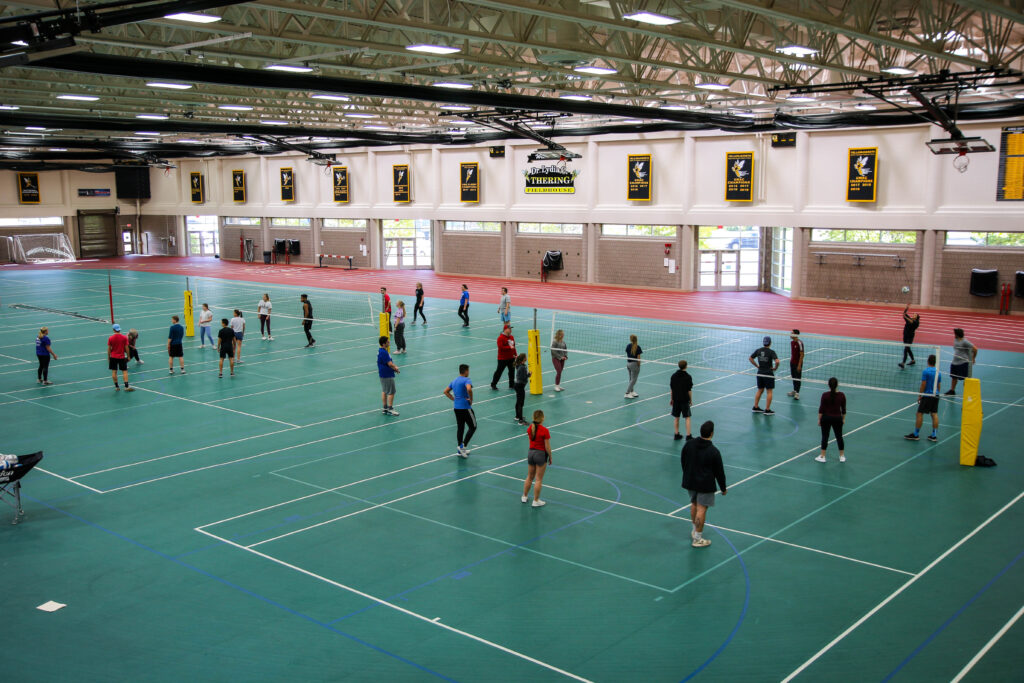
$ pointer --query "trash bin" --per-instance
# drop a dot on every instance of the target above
(266, 257)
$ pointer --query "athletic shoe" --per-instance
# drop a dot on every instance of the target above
(221, 374)
(117, 388)
(629, 395)
(689, 437)
(912, 437)
(523, 423)
(392, 412)
(263, 337)
(313, 343)
(951, 392)
(756, 409)
(465, 452)
(558, 388)
(140, 362)
(932, 438)
(913, 362)
(39, 381)
(202, 346)
(384, 411)
(820, 458)
(523, 498)
(171, 372)
(701, 543)
(269, 338)
(790, 393)
(796, 396)
(677, 437)
(47, 382)
(129, 388)
(494, 386)
(424, 323)
(538, 503)
(769, 411)
(636, 395)
(842, 458)
(183, 371)
(901, 365)
(466, 325)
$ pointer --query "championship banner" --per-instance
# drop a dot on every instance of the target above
(641, 175)
(862, 174)
(287, 185)
(196, 187)
(739, 176)
(340, 176)
(1010, 187)
(28, 188)
(469, 183)
(553, 179)
(400, 183)
(238, 186)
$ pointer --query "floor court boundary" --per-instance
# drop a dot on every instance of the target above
(988, 646)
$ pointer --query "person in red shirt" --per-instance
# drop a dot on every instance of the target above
(506, 358)
(387, 305)
(117, 358)
(796, 362)
(538, 458)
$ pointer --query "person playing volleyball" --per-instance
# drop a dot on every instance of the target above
(538, 458)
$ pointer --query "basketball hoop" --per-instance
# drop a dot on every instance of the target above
(961, 161)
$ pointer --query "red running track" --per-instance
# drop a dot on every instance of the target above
(744, 309)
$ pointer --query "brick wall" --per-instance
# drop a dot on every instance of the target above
(479, 253)
(876, 278)
(953, 275)
(305, 237)
(529, 250)
(229, 246)
(155, 233)
(345, 243)
(638, 262)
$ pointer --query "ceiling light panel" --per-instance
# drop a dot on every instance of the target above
(432, 49)
(290, 68)
(652, 18)
(170, 86)
(194, 18)
(332, 98)
(596, 70)
(78, 98)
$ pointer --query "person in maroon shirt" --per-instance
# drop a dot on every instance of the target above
(796, 362)
(117, 358)
(832, 415)
(506, 358)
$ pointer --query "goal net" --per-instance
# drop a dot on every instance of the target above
(43, 248)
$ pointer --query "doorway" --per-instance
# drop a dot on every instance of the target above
(407, 244)
(728, 258)
(97, 234)
(203, 235)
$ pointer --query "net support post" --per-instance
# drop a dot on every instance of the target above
(533, 362)
(189, 315)
(971, 419)
(384, 331)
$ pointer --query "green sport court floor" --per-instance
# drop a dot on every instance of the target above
(275, 526)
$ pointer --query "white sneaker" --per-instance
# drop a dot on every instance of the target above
(141, 362)
(634, 395)
(796, 396)
(701, 542)
(629, 395)
(558, 387)
(820, 458)
(269, 338)
(263, 337)
(842, 458)
(790, 393)
(170, 372)
(524, 499)
(202, 346)
(538, 504)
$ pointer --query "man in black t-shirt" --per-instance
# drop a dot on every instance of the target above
(681, 398)
(767, 362)
(910, 323)
(226, 346)
(307, 319)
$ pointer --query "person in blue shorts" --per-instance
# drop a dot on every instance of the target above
(460, 391)
(386, 370)
(767, 362)
(464, 306)
(175, 349)
(505, 306)
(928, 401)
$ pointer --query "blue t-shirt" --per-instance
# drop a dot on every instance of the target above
(460, 390)
(629, 351)
(464, 301)
(931, 377)
(176, 334)
(41, 344)
(383, 358)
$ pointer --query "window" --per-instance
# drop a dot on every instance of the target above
(345, 223)
(865, 236)
(473, 226)
(729, 237)
(782, 260)
(615, 230)
(23, 222)
(552, 228)
(242, 220)
(291, 222)
(984, 239)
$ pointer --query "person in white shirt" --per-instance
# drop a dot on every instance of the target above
(263, 308)
(237, 325)
(505, 306)
(205, 319)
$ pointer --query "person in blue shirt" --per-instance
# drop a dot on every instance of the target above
(386, 370)
(928, 401)
(175, 336)
(464, 306)
(43, 354)
(460, 391)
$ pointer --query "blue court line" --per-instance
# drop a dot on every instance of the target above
(934, 634)
(246, 591)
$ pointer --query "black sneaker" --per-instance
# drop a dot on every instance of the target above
(913, 362)
(912, 437)
(901, 366)
(755, 409)
(689, 437)
(933, 438)
(494, 386)
(951, 392)
(677, 437)
(769, 411)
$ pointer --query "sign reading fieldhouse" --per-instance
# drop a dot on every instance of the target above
(552, 179)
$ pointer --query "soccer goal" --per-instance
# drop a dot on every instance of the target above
(51, 247)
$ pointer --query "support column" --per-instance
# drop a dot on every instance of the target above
(799, 258)
(591, 236)
(927, 285)
(687, 257)
(508, 229)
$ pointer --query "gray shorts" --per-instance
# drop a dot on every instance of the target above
(387, 385)
(536, 457)
(705, 499)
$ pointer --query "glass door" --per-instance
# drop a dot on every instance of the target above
(782, 260)
(407, 244)
(718, 270)
(729, 257)
(203, 235)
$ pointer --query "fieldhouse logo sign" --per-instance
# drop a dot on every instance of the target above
(553, 179)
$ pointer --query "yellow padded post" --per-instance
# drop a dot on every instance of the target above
(384, 331)
(970, 422)
(533, 362)
(190, 325)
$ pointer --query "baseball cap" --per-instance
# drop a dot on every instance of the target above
(767, 341)
(117, 328)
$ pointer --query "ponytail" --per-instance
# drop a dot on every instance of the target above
(633, 339)
(832, 384)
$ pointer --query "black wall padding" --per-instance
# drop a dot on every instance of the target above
(281, 246)
(984, 282)
(1019, 291)
(132, 182)
(293, 247)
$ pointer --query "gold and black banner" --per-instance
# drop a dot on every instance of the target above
(28, 188)
(340, 176)
(641, 177)
(238, 186)
(469, 183)
(862, 174)
(196, 187)
(1011, 165)
(401, 184)
(287, 185)
(739, 176)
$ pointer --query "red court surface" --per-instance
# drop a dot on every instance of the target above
(743, 309)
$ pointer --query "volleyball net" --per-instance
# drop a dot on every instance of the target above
(329, 305)
(857, 363)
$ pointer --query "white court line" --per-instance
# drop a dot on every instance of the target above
(210, 405)
(892, 596)
(70, 481)
(20, 360)
(403, 610)
(988, 646)
(33, 402)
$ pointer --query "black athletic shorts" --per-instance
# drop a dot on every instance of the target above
(118, 364)
(681, 409)
(227, 352)
(175, 351)
(928, 404)
(765, 382)
(960, 370)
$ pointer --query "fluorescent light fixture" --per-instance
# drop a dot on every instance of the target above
(578, 98)
(864, 106)
(899, 71)
(433, 49)
(1019, 96)
(800, 98)
(189, 142)
(235, 107)
(375, 128)
(57, 149)
(633, 121)
(34, 128)
(797, 50)
(711, 85)
(152, 117)
(273, 122)
(454, 85)
(596, 70)
(746, 114)
(675, 107)
(147, 134)
(357, 115)
(652, 18)
(290, 68)
(194, 18)
(19, 43)
(455, 107)
(332, 98)
(9, 107)
(78, 98)
(170, 86)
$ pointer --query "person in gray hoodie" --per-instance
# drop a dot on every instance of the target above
(522, 377)
(702, 469)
